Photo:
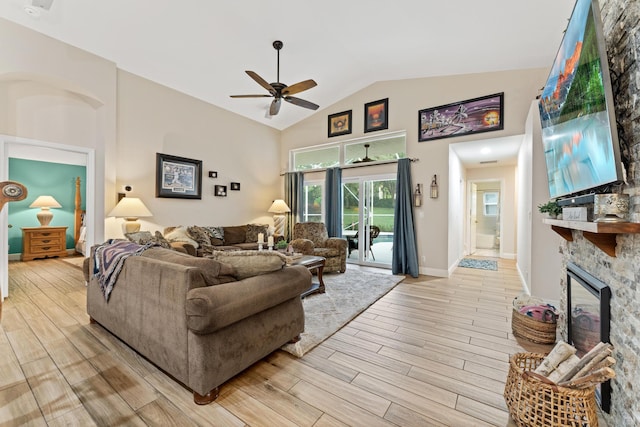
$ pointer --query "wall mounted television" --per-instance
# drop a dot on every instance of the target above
(579, 132)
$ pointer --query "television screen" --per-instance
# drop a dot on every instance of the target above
(576, 110)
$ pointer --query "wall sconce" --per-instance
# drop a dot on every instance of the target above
(434, 188)
(417, 196)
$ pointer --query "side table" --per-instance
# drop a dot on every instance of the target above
(312, 263)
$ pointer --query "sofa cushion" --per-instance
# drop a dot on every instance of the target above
(201, 235)
(251, 263)
(179, 234)
(235, 234)
(214, 272)
(253, 230)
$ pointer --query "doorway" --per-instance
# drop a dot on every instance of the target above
(367, 217)
(23, 148)
(485, 201)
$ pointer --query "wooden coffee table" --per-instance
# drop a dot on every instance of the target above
(312, 263)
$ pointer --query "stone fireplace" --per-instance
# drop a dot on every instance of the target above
(588, 318)
(621, 272)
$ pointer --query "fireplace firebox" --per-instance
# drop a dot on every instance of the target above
(588, 318)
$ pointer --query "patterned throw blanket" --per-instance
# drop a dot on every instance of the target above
(109, 259)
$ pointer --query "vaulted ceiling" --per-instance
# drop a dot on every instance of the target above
(202, 48)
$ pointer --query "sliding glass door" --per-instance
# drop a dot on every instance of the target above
(367, 218)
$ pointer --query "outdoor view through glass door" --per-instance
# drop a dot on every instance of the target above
(367, 218)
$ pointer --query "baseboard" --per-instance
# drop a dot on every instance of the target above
(436, 272)
(507, 255)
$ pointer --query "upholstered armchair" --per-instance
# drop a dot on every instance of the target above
(311, 238)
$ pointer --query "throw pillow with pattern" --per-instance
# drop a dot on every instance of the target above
(216, 234)
(139, 237)
(253, 230)
(200, 235)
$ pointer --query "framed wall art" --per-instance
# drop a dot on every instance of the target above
(484, 114)
(178, 177)
(376, 115)
(220, 190)
(339, 124)
(234, 186)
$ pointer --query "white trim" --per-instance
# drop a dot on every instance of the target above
(21, 146)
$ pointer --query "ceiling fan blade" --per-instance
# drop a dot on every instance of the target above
(250, 96)
(299, 87)
(275, 106)
(301, 102)
(262, 82)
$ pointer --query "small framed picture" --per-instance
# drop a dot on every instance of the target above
(220, 190)
(376, 115)
(339, 124)
(213, 174)
(234, 186)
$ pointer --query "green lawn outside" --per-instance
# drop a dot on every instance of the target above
(382, 217)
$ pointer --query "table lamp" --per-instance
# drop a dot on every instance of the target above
(278, 208)
(44, 203)
(130, 208)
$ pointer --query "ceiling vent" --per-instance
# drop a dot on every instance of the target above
(487, 162)
(35, 7)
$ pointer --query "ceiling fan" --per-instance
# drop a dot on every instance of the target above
(280, 91)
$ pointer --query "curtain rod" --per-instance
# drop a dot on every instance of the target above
(358, 165)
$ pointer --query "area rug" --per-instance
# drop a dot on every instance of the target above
(483, 264)
(346, 296)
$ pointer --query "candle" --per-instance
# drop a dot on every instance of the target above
(260, 237)
(270, 241)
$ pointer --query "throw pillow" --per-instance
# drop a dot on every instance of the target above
(139, 237)
(199, 234)
(214, 272)
(216, 234)
(160, 240)
(179, 234)
(251, 263)
(253, 230)
(235, 234)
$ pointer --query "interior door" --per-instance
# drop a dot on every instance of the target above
(473, 216)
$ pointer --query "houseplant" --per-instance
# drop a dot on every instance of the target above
(551, 208)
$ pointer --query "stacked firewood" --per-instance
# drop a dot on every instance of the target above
(563, 368)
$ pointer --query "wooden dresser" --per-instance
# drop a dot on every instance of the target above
(43, 242)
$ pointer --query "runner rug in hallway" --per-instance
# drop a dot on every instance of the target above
(347, 295)
(483, 264)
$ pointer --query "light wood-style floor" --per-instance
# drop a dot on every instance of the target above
(432, 352)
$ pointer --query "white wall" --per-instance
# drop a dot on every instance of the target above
(406, 98)
(457, 209)
(545, 243)
(155, 119)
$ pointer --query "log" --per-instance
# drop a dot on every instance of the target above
(594, 378)
(594, 352)
(563, 368)
(559, 354)
(591, 366)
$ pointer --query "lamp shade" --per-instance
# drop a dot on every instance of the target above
(279, 207)
(130, 207)
(45, 202)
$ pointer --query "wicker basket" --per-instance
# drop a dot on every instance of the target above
(531, 329)
(534, 403)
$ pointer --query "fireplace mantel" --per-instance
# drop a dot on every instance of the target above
(601, 234)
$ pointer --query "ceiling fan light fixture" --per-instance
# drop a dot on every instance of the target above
(278, 90)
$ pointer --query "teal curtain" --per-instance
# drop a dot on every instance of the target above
(294, 197)
(333, 202)
(405, 253)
